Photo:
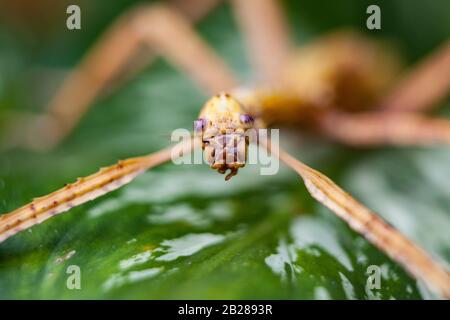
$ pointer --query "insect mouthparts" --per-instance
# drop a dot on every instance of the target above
(233, 172)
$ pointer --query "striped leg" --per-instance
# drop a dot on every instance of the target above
(367, 223)
(85, 189)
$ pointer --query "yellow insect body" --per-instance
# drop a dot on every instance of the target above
(223, 127)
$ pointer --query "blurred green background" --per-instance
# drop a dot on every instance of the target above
(182, 232)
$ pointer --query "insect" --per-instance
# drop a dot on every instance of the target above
(339, 87)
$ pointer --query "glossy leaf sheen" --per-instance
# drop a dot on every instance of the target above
(183, 232)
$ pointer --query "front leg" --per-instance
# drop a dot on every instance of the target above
(86, 189)
(371, 226)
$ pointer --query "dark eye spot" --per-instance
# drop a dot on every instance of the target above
(199, 125)
(246, 118)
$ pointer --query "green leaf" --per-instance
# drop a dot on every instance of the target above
(182, 231)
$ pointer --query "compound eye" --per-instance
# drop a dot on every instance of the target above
(199, 125)
(246, 118)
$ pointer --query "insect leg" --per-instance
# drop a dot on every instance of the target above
(380, 128)
(85, 189)
(424, 85)
(195, 10)
(160, 27)
(367, 223)
(266, 33)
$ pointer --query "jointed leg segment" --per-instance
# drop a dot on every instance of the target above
(424, 85)
(165, 31)
(266, 34)
(370, 225)
(385, 128)
(85, 189)
(399, 122)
